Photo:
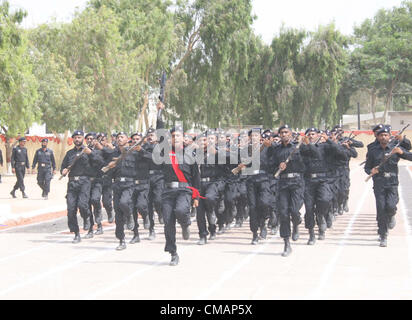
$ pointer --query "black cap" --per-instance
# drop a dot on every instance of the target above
(383, 130)
(378, 127)
(311, 130)
(45, 140)
(266, 135)
(122, 133)
(93, 134)
(22, 139)
(151, 130)
(136, 134)
(285, 126)
(101, 135)
(78, 133)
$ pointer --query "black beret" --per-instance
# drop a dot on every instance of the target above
(121, 133)
(101, 135)
(336, 128)
(136, 134)
(266, 135)
(383, 130)
(45, 140)
(151, 130)
(311, 130)
(22, 139)
(378, 127)
(285, 126)
(93, 134)
(78, 133)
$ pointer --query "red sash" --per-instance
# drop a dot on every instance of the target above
(181, 177)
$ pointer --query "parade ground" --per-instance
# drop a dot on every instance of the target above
(39, 261)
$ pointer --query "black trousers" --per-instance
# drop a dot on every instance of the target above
(107, 193)
(77, 198)
(290, 200)
(95, 202)
(387, 198)
(44, 176)
(176, 204)
(156, 186)
(20, 172)
(140, 203)
(207, 207)
(241, 200)
(259, 200)
(317, 198)
(123, 204)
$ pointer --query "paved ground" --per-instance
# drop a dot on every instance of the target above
(38, 261)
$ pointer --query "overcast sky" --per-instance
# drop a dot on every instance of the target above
(307, 14)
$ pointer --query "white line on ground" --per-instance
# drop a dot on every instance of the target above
(316, 294)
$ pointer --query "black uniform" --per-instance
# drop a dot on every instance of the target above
(107, 190)
(46, 165)
(318, 194)
(291, 187)
(19, 161)
(78, 187)
(177, 197)
(124, 187)
(96, 188)
(385, 184)
(156, 185)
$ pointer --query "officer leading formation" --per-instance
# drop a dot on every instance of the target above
(221, 178)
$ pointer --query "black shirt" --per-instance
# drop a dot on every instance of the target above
(82, 167)
(44, 157)
(18, 156)
(375, 157)
(281, 152)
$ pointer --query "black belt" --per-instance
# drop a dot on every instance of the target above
(155, 171)
(22, 163)
(44, 165)
(176, 184)
(290, 175)
(124, 179)
(77, 178)
(316, 175)
(141, 181)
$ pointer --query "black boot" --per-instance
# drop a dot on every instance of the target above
(89, 234)
(99, 230)
(135, 238)
(312, 238)
(255, 239)
(221, 229)
(202, 241)
(175, 260)
(287, 249)
(24, 195)
(383, 241)
(77, 238)
(295, 234)
(13, 193)
(274, 230)
(193, 212)
(152, 235)
(340, 210)
(122, 245)
(212, 236)
(186, 232)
